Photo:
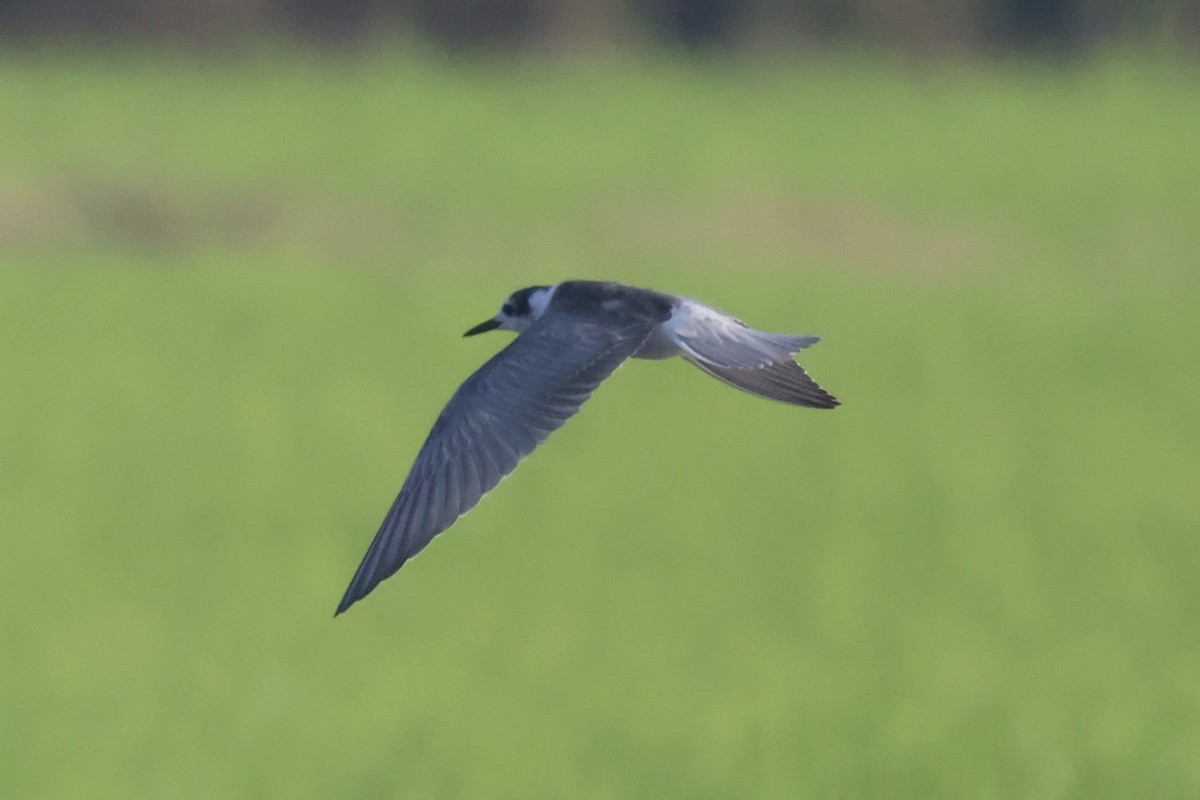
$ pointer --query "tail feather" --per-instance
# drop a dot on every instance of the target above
(785, 381)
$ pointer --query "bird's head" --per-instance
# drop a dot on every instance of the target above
(522, 308)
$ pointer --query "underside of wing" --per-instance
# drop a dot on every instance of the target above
(785, 381)
(496, 418)
(720, 340)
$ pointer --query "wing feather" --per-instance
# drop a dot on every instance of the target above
(495, 419)
(721, 340)
(786, 382)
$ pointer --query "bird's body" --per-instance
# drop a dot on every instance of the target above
(571, 336)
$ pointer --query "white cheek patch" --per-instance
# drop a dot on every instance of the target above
(540, 300)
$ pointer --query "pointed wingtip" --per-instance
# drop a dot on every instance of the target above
(347, 601)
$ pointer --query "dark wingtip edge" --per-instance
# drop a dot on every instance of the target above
(348, 600)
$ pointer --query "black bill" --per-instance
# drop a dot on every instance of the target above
(484, 327)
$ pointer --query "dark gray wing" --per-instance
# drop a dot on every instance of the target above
(786, 382)
(496, 418)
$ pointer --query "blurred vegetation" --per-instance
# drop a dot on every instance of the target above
(1061, 26)
(231, 300)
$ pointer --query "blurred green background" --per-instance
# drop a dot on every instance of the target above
(232, 288)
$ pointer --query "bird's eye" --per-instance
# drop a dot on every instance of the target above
(507, 309)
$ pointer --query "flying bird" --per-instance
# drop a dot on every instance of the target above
(570, 337)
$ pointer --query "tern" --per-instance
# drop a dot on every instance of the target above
(570, 337)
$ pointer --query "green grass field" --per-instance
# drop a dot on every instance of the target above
(231, 300)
